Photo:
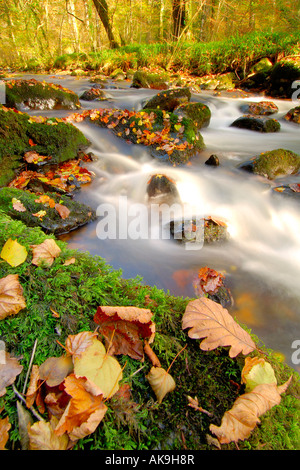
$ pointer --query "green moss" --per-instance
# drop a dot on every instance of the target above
(75, 292)
(199, 113)
(276, 163)
(142, 79)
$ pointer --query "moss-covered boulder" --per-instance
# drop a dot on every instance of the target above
(199, 113)
(33, 94)
(257, 123)
(21, 133)
(263, 65)
(293, 115)
(263, 108)
(276, 163)
(51, 212)
(169, 100)
(143, 79)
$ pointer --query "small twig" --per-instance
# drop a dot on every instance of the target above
(33, 411)
(29, 367)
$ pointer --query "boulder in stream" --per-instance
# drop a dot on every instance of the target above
(203, 231)
(93, 94)
(293, 115)
(51, 212)
(169, 100)
(257, 123)
(274, 164)
(162, 188)
(33, 94)
(143, 79)
(199, 113)
(263, 108)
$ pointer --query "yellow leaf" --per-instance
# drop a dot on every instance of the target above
(42, 436)
(257, 371)
(46, 252)
(14, 253)
(11, 296)
(161, 382)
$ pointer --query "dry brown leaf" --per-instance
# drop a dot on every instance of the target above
(43, 437)
(55, 369)
(70, 261)
(208, 319)
(63, 211)
(33, 386)
(11, 296)
(77, 344)
(151, 354)
(18, 205)
(85, 410)
(161, 382)
(4, 428)
(8, 372)
(238, 423)
(45, 253)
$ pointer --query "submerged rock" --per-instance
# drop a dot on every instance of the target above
(258, 124)
(56, 214)
(203, 231)
(32, 94)
(274, 164)
(169, 100)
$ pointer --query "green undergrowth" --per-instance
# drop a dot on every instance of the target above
(75, 292)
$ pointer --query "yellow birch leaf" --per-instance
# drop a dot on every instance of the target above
(161, 382)
(14, 253)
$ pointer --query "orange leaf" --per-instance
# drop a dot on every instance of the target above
(4, 428)
(63, 211)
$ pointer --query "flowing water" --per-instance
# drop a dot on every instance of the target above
(261, 261)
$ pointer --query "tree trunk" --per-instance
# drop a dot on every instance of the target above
(178, 10)
(102, 10)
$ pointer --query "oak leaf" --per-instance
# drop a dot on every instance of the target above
(238, 423)
(8, 372)
(42, 436)
(14, 253)
(161, 382)
(208, 319)
(11, 296)
(100, 368)
(123, 328)
(85, 410)
(45, 253)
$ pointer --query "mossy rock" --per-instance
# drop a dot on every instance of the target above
(19, 133)
(169, 100)
(281, 78)
(118, 74)
(32, 94)
(50, 221)
(74, 292)
(142, 79)
(293, 115)
(264, 65)
(94, 94)
(206, 231)
(263, 108)
(276, 163)
(199, 113)
(257, 124)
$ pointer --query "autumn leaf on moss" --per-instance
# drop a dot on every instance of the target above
(238, 423)
(124, 328)
(11, 296)
(4, 428)
(8, 372)
(85, 409)
(208, 319)
(45, 253)
(257, 371)
(18, 205)
(77, 344)
(13, 253)
(54, 370)
(46, 200)
(62, 210)
(161, 382)
(42, 436)
(96, 365)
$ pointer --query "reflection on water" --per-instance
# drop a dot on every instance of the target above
(262, 259)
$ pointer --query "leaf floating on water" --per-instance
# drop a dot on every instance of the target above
(238, 423)
(161, 382)
(208, 319)
(14, 253)
(46, 252)
(11, 296)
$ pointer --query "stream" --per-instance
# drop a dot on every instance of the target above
(261, 261)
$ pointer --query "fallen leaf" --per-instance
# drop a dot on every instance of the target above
(45, 253)
(42, 436)
(85, 410)
(70, 261)
(257, 371)
(161, 382)
(8, 372)
(63, 211)
(14, 253)
(77, 344)
(238, 423)
(33, 386)
(4, 428)
(100, 368)
(55, 369)
(17, 205)
(11, 296)
(208, 281)
(208, 319)
(24, 419)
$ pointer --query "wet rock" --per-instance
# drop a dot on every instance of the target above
(220, 82)
(258, 124)
(32, 94)
(169, 100)
(199, 113)
(202, 231)
(161, 187)
(293, 115)
(213, 161)
(41, 215)
(291, 191)
(263, 108)
(142, 79)
(276, 163)
(94, 94)
(118, 74)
